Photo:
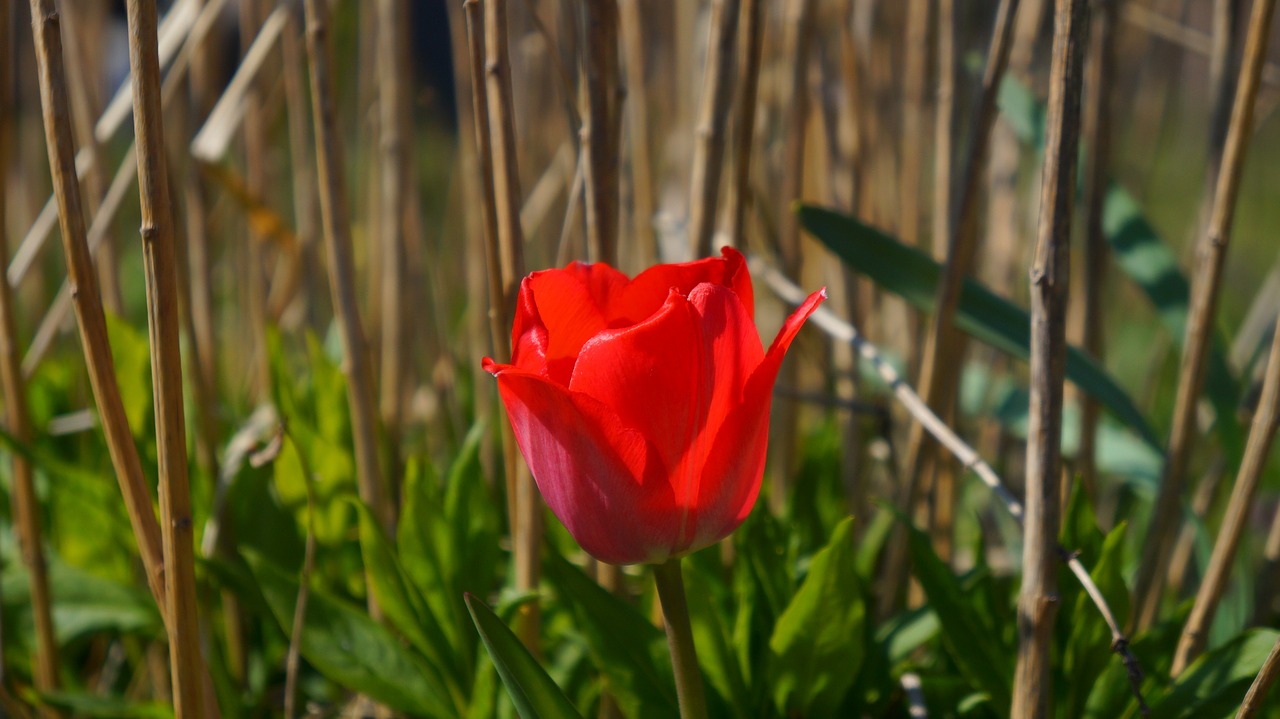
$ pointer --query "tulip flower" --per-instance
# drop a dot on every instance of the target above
(642, 406)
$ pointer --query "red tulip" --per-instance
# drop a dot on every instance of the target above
(642, 406)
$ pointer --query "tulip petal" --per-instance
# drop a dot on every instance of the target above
(558, 311)
(648, 291)
(736, 459)
(645, 371)
(600, 478)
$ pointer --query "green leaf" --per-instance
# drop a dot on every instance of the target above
(105, 707)
(402, 604)
(989, 318)
(628, 649)
(818, 643)
(535, 694)
(1216, 683)
(345, 645)
(967, 634)
(715, 647)
(1149, 262)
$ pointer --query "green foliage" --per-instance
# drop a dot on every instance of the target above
(535, 694)
(344, 643)
(914, 276)
(818, 642)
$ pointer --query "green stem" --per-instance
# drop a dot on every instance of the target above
(684, 658)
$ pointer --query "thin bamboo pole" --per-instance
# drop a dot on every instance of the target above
(1265, 422)
(713, 116)
(1211, 255)
(161, 279)
(88, 302)
(796, 41)
(395, 150)
(336, 220)
(26, 506)
(1096, 127)
(1050, 277)
(526, 532)
(944, 119)
(939, 366)
(600, 69)
(749, 54)
(637, 110)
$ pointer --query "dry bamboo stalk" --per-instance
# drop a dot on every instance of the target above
(395, 150)
(161, 279)
(939, 367)
(26, 506)
(498, 337)
(1223, 50)
(796, 37)
(944, 118)
(527, 530)
(1211, 255)
(87, 301)
(600, 69)
(84, 107)
(1050, 276)
(637, 109)
(1261, 684)
(713, 116)
(749, 53)
(1096, 126)
(336, 221)
(1265, 422)
(914, 404)
(915, 68)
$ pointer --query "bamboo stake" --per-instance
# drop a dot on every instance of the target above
(1261, 684)
(944, 118)
(26, 506)
(600, 68)
(1097, 138)
(637, 109)
(911, 146)
(87, 301)
(1050, 277)
(914, 404)
(939, 365)
(336, 221)
(527, 530)
(160, 268)
(396, 149)
(749, 53)
(795, 42)
(1211, 255)
(1265, 422)
(713, 116)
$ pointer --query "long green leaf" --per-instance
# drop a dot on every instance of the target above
(535, 694)
(403, 605)
(345, 645)
(1215, 683)
(913, 275)
(818, 644)
(966, 631)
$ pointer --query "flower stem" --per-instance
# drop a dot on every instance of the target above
(684, 658)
